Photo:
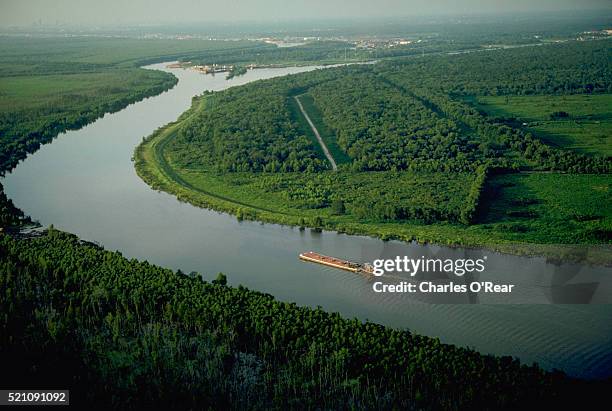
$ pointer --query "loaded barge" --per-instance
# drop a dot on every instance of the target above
(337, 263)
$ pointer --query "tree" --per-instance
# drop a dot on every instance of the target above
(338, 207)
(221, 279)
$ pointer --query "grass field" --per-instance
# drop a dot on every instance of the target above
(587, 129)
(550, 207)
(56, 93)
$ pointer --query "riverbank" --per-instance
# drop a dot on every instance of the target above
(98, 196)
(110, 307)
(236, 195)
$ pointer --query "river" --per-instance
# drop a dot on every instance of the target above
(85, 183)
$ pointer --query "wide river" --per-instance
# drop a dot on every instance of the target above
(85, 183)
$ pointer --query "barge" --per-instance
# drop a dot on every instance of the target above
(346, 265)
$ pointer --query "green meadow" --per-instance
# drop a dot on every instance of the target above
(586, 129)
(47, 94)
(549, 207)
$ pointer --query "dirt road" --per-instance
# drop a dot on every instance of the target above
(316, 133)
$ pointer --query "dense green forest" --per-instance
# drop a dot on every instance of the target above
(564, 68)
(123, 333)
(410, 121)
(398, 115)
(382, 128)
(126, 334)
(249, 131)
(580, 71)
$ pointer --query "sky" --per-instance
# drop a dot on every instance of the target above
(119, 12)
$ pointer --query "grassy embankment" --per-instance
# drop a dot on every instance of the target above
(553, 219)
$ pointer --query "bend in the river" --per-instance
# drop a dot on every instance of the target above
(86, 184)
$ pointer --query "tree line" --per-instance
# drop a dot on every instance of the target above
(125, 333)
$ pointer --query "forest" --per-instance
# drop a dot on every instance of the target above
(381, 128)
(126, 334)
(562, 68)
(398, 115)
(249, 131)
(402, 120)
(585, 68)
(33, 112)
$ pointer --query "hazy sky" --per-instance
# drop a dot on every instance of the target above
(24, 12)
